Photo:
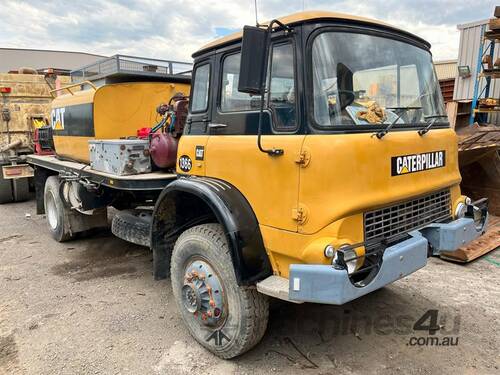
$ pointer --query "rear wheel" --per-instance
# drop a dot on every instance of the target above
(21, 189)
(55, 211)
(5, 190)
(225, 318)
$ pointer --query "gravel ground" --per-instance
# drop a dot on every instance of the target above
(91, 306)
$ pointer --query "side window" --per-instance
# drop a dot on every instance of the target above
(231, 99)
(201, 76)
(281, 86)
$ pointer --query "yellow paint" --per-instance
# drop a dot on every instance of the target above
(346, 175)
(269, 183)
(187, 146)
(285, 248)
(119, 111)
(76, 148)
(350, 173)
(299, 17)
(79, 97)
(58, 125)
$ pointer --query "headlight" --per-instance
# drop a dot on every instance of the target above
(461, 210)
(329, 251)
(479, 218)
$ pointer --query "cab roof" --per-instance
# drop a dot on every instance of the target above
(303, 17)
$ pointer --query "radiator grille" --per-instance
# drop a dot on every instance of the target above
(390, 222)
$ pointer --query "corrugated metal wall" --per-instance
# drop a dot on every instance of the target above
(470, 39)
(446, 69)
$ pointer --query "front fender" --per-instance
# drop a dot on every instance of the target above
(173, 214)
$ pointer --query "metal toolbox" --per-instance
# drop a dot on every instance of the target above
(120, 157)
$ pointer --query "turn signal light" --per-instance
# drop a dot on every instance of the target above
(5, 90)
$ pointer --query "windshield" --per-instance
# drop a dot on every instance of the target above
(365, 80)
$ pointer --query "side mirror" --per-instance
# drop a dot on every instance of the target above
(253, 66)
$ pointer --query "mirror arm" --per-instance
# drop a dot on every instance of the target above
(251, 89)
(287, 28)
(273, 151)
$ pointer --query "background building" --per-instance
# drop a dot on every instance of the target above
(470, 40)
(446, 71)
(11, 59)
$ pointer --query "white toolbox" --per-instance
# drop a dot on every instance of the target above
(120, 157)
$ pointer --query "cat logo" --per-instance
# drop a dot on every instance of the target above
(57, 118)
(417, 162)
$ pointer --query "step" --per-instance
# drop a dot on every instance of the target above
(275, 286)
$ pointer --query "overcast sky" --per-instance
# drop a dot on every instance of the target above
(173, 29)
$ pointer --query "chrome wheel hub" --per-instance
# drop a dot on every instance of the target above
(202, 293)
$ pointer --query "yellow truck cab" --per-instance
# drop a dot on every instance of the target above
(316, 164)
(355, 180)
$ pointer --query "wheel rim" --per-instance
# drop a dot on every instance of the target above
(51, 211)
(202, 293)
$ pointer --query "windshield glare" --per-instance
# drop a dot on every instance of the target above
(363, 80)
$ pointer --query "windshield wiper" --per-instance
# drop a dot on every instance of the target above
(401, 108)
(382, 133)
(430, 124)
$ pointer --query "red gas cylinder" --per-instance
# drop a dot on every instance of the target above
(163, 150)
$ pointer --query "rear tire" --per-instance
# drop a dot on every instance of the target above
(203, 280)
(55, 211)
(21, 189)
(5, 190)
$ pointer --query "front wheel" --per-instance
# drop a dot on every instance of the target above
(225, 318)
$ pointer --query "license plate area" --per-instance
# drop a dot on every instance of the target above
(11, 172)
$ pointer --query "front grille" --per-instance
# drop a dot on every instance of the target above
(391, 222)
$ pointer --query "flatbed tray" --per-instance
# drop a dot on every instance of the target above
(123, 68)
(146, 181)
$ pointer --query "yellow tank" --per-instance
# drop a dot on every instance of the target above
(111, 111)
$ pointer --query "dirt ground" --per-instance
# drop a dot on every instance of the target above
(91, 306)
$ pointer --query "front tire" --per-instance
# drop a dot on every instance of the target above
(225, 318)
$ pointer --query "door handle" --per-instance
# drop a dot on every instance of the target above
(216, 126)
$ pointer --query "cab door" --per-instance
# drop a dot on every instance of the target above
(191, 150)
(270, 183)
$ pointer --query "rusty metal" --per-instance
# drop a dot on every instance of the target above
(11, 145)
(69, 87)
(482, 245)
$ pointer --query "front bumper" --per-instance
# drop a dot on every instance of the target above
(447, 237)
(326, 284)
(330, 285)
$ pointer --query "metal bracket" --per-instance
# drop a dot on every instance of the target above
(299, 214)
(303, 158)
